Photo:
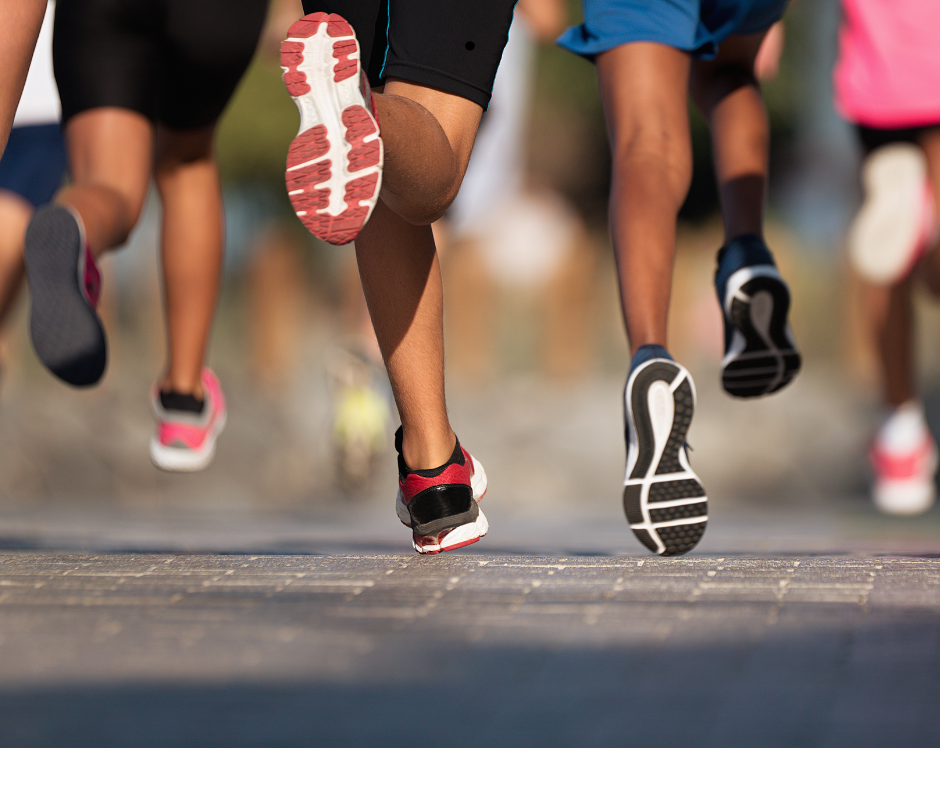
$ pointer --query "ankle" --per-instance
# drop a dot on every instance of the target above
(183, 385)
(426, 452)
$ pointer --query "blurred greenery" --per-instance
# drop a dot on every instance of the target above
(258, 126)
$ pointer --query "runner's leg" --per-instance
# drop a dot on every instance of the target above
(187, 179)
(726, 92)
(428, 137)
(110, 152)
(20, 21)
(644, 88)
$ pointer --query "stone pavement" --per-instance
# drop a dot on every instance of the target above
(785, 629)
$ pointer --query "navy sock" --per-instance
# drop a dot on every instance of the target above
(647, 352)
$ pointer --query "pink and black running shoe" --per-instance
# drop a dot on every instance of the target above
(187, 428)
(334, 165)
(64, 286)
(440, 506)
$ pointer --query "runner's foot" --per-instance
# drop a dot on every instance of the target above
(187, 428)
(664, 500)
(334, 165)
(760, 353)
(904, 460)
(64, 285)
(897, 223)
(440, 505)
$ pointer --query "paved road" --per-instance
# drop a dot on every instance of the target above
(783, 629)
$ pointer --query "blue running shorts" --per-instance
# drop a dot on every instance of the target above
(34, 162)
(694, 26)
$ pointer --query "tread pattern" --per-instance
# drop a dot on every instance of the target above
(317, 165)
(653, 523)
(760, 368)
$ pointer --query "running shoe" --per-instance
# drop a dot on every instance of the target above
(334, 165)
(187, 429)
(664, 500)
(760, 353)
(64, 286)
(440, 506)
(904, 460)
(897, 223)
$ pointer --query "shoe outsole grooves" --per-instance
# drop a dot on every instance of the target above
(334, 164)
(65, 329)
(762, 357)
(664, 501)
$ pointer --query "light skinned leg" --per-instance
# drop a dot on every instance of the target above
(187, 180)
(726, 91)
(20, 21)
(110, 153)
(15, 213)
(644, 88)
(428, 136)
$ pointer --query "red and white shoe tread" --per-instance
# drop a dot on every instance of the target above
(334, 165)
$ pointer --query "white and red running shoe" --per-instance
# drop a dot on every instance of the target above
(440, 506)
(334, 165)
(64, 286)
(185, 438)
(904, 460)
(897, 223)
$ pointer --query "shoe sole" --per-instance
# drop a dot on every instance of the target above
(762, 357)
(461, 536)
(664, 500)
(178, 460)
(334, 165)
(884, 238)
(65, 330)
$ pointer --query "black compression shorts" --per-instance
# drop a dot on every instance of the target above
(450, 45)
(873, 138)
(174, 61)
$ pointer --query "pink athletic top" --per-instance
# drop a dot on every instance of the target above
(888, 73)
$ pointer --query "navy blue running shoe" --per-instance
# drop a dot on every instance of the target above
(664, 500)
(760, 353)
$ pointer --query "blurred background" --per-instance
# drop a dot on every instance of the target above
(536, 351)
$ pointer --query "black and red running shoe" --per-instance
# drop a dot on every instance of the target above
(334, 165)
(440, 506)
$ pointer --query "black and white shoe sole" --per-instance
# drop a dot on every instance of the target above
(664, 500)
(64, 327)
(762, 356)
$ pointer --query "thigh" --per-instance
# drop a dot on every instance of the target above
(206, 48)
(459, 117)
(644, 88)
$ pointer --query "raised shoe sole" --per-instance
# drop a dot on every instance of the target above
(64, 327)
(885, 236)
(663, 499)
(334, 164)
(762, 356)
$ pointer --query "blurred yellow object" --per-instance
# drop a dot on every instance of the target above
(360, 433)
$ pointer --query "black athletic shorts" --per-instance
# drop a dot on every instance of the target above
(174, 61)
(873, 138)
(450, 45)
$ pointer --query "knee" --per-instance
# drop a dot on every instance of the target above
(657, 154)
